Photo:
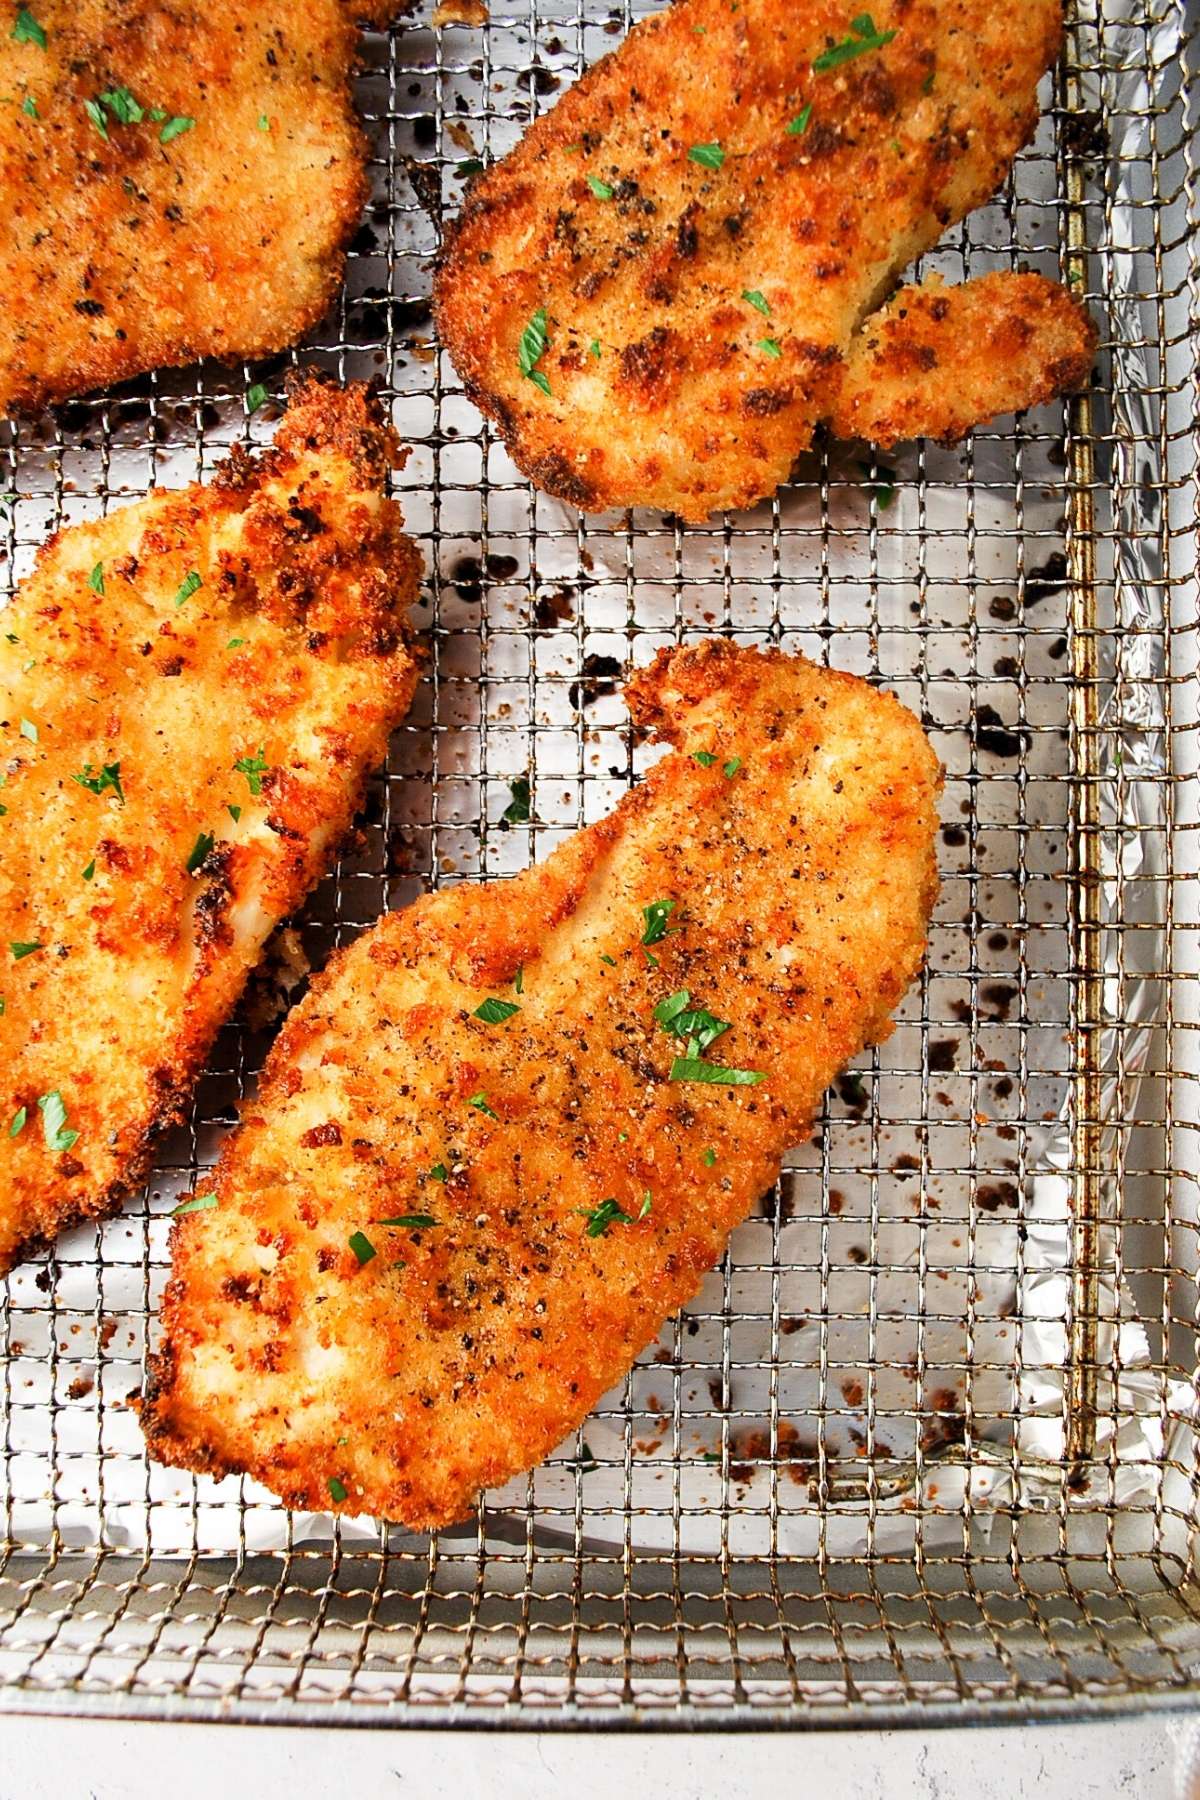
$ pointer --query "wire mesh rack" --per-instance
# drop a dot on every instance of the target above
(922, 1446)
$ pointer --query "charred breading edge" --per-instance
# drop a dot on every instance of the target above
(142, 245)
(706, 225)
(317, 1335)
(193, 691)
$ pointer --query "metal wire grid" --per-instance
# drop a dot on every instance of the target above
(758, 1526)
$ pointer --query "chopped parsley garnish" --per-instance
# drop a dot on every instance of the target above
(519, 980)
(409, 1222)
(799, 124)
(770, 346)
(861, 38)
(439, 1172)
(677, 1015)
(731, 767)
(54, 1122)
(705, 758)
(927, 84)
(470, 165)
(535, 341)
(362, 1247)
(656, 916)
(90, 871)
(611, 961)
(26, 30)
(601, 1217)
(29, 107)
(187, 587)
(29, 730)
(18, 1122)
(21, 951)
(122, 105)
(882, 490)
(517, 811)
(594, 349)
(256, 396)
(253, 768)
(337, 1489)
(200, 850)
(201, 1203)
(264, 124)
(95, 113)
(600, 188)
(709, 156)
(710, 1157)
(671, 1007)
(480, 1102)
(175, 127)
(694, 1068)
(96, 579)
(494, 1012)
(753, 298)
(586, 1462)
(109, 777)
(235, 813)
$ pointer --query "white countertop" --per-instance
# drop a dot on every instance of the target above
(68, 1759)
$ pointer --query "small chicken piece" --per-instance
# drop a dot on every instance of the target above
(193, 691)
(176, 181)
(665, 288)
(509, 1129)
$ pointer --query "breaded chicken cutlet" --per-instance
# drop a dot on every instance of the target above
(176, 182)
(193, 691)
(677, 274)
(510, 1129)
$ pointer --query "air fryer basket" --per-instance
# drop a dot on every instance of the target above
(923, 1447)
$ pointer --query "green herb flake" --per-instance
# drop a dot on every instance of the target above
(731, 767)
(647, 1203)
(95, 113)
(494, 1012)
(611, 961)
(29, 730)
(122, 105)
(709, 156)
(517, 811)
(362, 1247)
(90, 871)
(21, 951)
(883, 484)
(656, 916)
(26, 29)
(535, 341)
(770, 347)
(862, 37)
(200, 850)
(519, 980)
(753, 298)
(18, 1121)
(927, 84)
(175, 127)
(699, 1026)
(470, 165)
(187, 587)
(480, 1102)
(337, 1489)
(264, 124)
(96, 579)
(694, 1068)
(439, 1172)
(54, 1123)
(235, 813)
(256, 396)
(601, 1217)
(201, 1203)
(799, 125)
(409, 1222)
(705, 758)
(29, 107)
(253, 768)
(109, 777)
(594, 349)
(710, 1157)
(671, 1007)
(235, 643)
(601, 189)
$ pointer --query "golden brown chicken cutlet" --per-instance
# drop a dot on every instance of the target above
(193, 691)
(510, 1129)
(676, 276)
(176, 181)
